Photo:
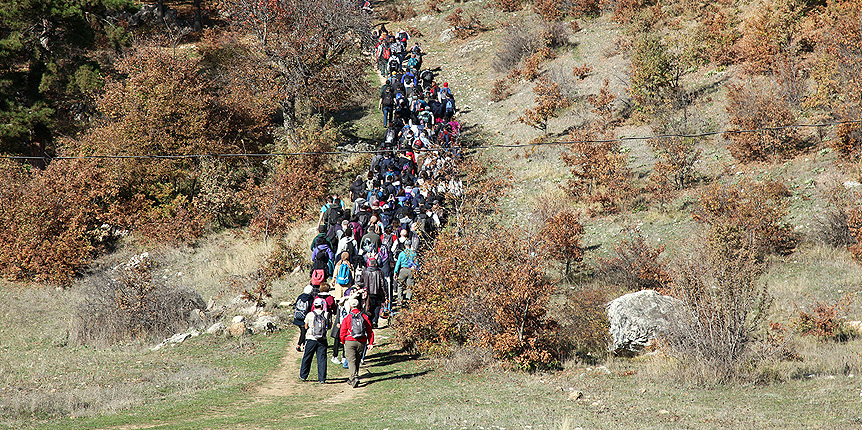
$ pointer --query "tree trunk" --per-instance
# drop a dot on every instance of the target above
(197, 24)
(160, 8)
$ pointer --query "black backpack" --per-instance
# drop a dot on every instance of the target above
(318, 329)
(301, 307)
(388, 98)
(357, 325)
(336, 214)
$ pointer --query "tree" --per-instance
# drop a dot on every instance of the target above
(561, 238)
(313, 47)
(549, 101)
(47, 73)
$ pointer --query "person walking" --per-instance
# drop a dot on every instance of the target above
(374, 282)
(316, 323)
(356, 333)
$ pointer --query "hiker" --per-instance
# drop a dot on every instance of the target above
(321, 269)
(303, 305)
(343, 274)
(316, 322)
(404, 270)
(356, 334)
(375, 285)
(320, 244)
(387, 102)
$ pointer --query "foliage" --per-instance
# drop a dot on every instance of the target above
(52, 220)
(560, 238)
(716, 33)
(48, 75)
(395, 12)
(724, 308)
(825, 320)
(500, 90)
(582, 72)
(636, 265)
(768, 32)
(655, 72)
(758, 106)
(509, 5)
(281, 261)
(748, 213)
(296, 180)
(312, 47)
(600, 172)
(480, 185)
(676, 156)
(464, 25)
(549, 101)
(585, 320)
(481, 288)
(854, 225)
(520, 43)
(130, 304)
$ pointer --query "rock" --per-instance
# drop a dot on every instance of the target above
(447, 35)
(238, 319)
(237, 329)
(177, 338)
(852, 184)
(285, 305)
(216, 328)
(638, 318)
(574, 396)
(266, 323)
(855, 326)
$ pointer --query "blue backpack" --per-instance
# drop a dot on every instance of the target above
(343, 277)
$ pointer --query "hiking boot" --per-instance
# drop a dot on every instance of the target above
(355, 383)
(336, 360)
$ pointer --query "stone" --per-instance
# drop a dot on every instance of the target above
(855, 326)
(238, 319)
(265, 323)
(237, 329)
(574, 396)
(447, 35)
(638, 318)
(285, 305)
(216, 328)
(852, 184)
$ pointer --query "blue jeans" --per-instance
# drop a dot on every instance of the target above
(314, 347)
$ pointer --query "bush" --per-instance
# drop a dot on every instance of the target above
(560, 238)
(518, 43)
(768, 32)
(757, 106)
(724, 308)
(281, 261)
(748, 211)
(549, 101)
(636, 265)
(825, 320)
(509, 5)
(585, 319)
(395, 12)
(129, 303)
(716, 35)
(464, 26)
(480, 287)
(831, 224)
(500, 90)
(655, 72)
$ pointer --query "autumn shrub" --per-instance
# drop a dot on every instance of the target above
(715, 35)
(465, 24)
(769, 31)
(625, 10)
(825, 320)
(481, 288)
(509, 5)
(831, 223)
(560, 239)
(748, 211)
(675, 156)
(298, 182)
(635, 265)
(724, 308)
(549, 102)
(584, 318)
(130, 303)
(854, 225)
(223, 191)
(281, 261)
(600, 172)
(581, 72)
(500, 90)
(758, 107)
(518, 43)
(395, 12)
(549, 10)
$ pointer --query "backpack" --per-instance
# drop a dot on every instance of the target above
(388, 96)
(386, 53)
(357, 325)
(367, 246)
(450, 107)
(318, 329)
(301, 308)
(318, 276)
(343, 277)
(382, 254)
(336, 213)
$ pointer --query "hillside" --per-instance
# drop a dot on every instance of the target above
(49, 379)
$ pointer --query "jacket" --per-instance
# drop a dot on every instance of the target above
(373, 281)
(405, 259)
(344, 333)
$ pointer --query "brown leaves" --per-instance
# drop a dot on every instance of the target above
(549, 101)
(754, 106)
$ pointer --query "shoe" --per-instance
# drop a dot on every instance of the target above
(355, 383)
(344, 364)
(302, 380)
(321, 382)
(298, 348)
(336, 360)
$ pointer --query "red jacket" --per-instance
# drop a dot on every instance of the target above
(345, 329)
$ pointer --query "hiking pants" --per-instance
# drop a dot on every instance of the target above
(314, 347)
(302, 331)
(387, 115)
(405, 282)
(374, 305)
(353, 352)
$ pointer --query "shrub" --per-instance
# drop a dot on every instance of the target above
(500, 90)
(479, 287)
(128, 303)
(549, 101)
(517, 44)
(767, 33)
(831, 223)
(585, 319)
(582, 72)
(724, 308)
(716, 35)
(748, 211)
(825, 320)
(53, 219)
(281, 261)
(757, 106)
(464, 26)
(636, 265)
(655, 72)
(395, 12)
(223, 191)
(509, 5)
(549, 10)
(560, 238)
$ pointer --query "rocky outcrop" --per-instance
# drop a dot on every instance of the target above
(636, 319)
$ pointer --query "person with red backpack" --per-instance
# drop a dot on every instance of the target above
(356, 334)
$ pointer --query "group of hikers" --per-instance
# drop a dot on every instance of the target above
(367, 247)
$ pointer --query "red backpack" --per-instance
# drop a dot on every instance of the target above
(317, 277)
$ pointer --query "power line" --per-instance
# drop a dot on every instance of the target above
(377, 151)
